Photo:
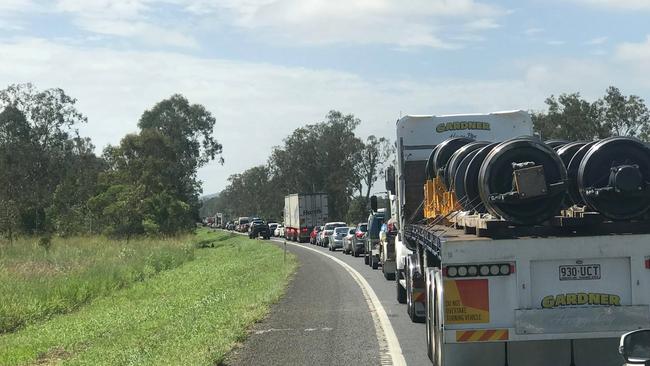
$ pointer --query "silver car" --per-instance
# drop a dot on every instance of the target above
(348, 241)
(336, 239)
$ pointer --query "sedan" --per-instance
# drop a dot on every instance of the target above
(336, 239)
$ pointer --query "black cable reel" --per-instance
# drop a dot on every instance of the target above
(443, 153)
(522, 180)
(466, 180)
(614, 178)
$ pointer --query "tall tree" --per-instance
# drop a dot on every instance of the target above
(568, 117)
(320, 158)
(50, 120)
(372, 157)
(573, 118)
(151, 185)
(623, 115)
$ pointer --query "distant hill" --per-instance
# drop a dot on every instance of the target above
(208, 196)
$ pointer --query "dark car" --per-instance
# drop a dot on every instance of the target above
(375, 221)
(259, 228)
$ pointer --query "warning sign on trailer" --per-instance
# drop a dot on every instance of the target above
(467, 301)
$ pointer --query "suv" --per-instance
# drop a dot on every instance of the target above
(259, 228)
(358, 244)
(375, 220)
(328, 230)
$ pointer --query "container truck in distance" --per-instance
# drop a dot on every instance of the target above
(516, 253)
(303, 212)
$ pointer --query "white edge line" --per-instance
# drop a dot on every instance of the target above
(391, 338)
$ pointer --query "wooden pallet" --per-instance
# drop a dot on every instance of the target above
(575, 223)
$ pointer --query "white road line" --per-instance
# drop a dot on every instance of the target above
(394, 348)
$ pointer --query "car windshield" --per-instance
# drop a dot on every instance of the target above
(363, 228)
(341, 230)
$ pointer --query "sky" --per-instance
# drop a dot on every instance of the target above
(266, 67)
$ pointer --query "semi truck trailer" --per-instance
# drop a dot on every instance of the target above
(302, 212)
(517, 252)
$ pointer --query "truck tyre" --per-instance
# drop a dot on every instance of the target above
(401, 291)
(354, 252)
(374, 262)
(433, 316)
(430, 316)
(410, 302)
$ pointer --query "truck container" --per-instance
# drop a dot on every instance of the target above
(504, 263)
(302, 212)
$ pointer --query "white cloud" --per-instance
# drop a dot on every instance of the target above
(597, 41)
(635, 52)
(407, 24)
(555, 43)
(533, 31)
(636, 56)
(129, 18)
(620, 4)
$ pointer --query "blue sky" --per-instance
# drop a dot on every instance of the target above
(265, 67)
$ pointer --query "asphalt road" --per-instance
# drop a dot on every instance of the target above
(324, 319)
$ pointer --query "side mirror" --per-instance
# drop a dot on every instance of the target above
(635, 347)
(390, 179)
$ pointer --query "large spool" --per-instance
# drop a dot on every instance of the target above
(572, 174)
(472, 200)
(443, 153)
(614, 178)
(457, 157)
(522, 180)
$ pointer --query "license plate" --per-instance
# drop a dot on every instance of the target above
(580, 272)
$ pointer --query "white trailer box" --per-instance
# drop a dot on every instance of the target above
(302, 212)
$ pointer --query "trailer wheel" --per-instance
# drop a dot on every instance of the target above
(407, 277)
(410, 303)
(401, 291)
(430, 316)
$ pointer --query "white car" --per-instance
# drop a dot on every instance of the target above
(279, 231)
(273, 226)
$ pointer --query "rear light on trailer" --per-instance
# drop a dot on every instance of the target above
(647, 262)
(479, 270)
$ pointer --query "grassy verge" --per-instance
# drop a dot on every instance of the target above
(190, 315)
(36, 284)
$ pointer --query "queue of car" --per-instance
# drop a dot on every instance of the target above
(356, 239)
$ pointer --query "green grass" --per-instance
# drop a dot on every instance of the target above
(36, 284)
(191, 315)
